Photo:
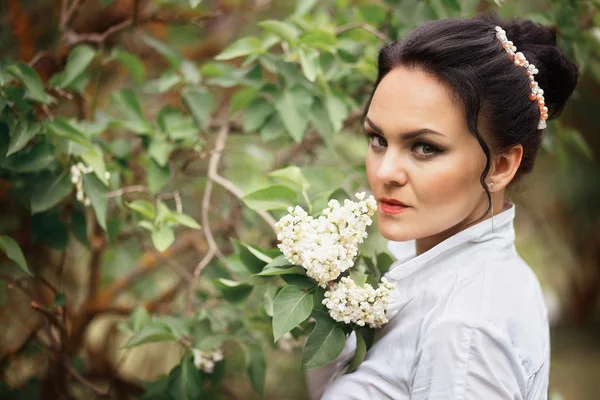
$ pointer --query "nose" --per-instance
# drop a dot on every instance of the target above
(391, 170)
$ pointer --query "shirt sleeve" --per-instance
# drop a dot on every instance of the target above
(460, 360)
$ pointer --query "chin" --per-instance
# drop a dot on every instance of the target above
(392, 230)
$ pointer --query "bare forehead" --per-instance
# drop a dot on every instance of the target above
(413, 99)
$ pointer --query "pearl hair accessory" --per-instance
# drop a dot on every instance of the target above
(537, 94)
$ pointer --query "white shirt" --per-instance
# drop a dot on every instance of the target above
(467, 321)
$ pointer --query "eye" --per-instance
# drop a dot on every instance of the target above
(425, 149)
(376, 142)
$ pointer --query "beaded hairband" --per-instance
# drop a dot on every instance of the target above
(537, 94)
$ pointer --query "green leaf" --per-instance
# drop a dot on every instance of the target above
(291, 307)
(185, 380)
(78, 225)
(272, 129)
(159, 150)
(384, 262)
(285, 31)
(79, 59)
(190, 72)
(320, 40)
(279, 261)
(157, 176)
(163, 237)
(319, 117)
(337, 111)
(242, 98)
(359, 353)
(67, 130)
(134, 65)
(20, 134)
(176, 125)
(156, 390)
(200, 104)
(143, 207)
(33, 159)
(268, 299)
(95, 159)
(256, 114)
(195, 3)
(12, 250)
(97, 192)
(292, 176)
(303, 7)
(166, 82)
(300, 281)
(186, 220)
(163, 214)
(151, 332)
(60, 299)
(233, 292)
(273, 197)
(32, 82)
(201, 329)
(139, 318)
(256, 365)
(309, 61)
(293, 106)
(128, 104)
(280, 266)
(48, 228)
(253, 260)
(242, 47)
(324, 344)
(172, 56)
(287, 270)
(49, 191)
(359, 278)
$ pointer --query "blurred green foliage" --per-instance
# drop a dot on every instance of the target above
(144, 145)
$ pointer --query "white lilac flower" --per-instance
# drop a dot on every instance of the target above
(362, 306)
(326, 246)
(205, 360)
(77, 172)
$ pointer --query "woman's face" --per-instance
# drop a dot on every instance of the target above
(423, 164)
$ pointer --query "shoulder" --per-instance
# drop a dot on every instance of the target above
(499, 300)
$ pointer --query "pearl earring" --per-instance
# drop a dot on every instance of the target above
(491, 185)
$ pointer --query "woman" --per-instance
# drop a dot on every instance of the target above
(456, 117)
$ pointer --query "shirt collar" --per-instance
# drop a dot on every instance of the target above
(408, 265)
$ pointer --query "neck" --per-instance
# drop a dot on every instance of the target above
(499, 205)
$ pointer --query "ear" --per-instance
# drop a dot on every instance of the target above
(504, 167)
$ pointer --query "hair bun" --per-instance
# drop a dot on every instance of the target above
(557, 75)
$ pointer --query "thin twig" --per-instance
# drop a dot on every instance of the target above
(128, 189)
(39, 56)
(193, 286)
(72, 38)
(213, 166)
(48, 112)
(178, 204)
(85, 382)
(353, 25)
(227, 184)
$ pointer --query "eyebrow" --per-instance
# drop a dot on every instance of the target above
(406, 135)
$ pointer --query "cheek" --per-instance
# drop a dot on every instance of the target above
(449, 180)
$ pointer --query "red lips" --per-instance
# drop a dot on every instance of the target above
(391, 206)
